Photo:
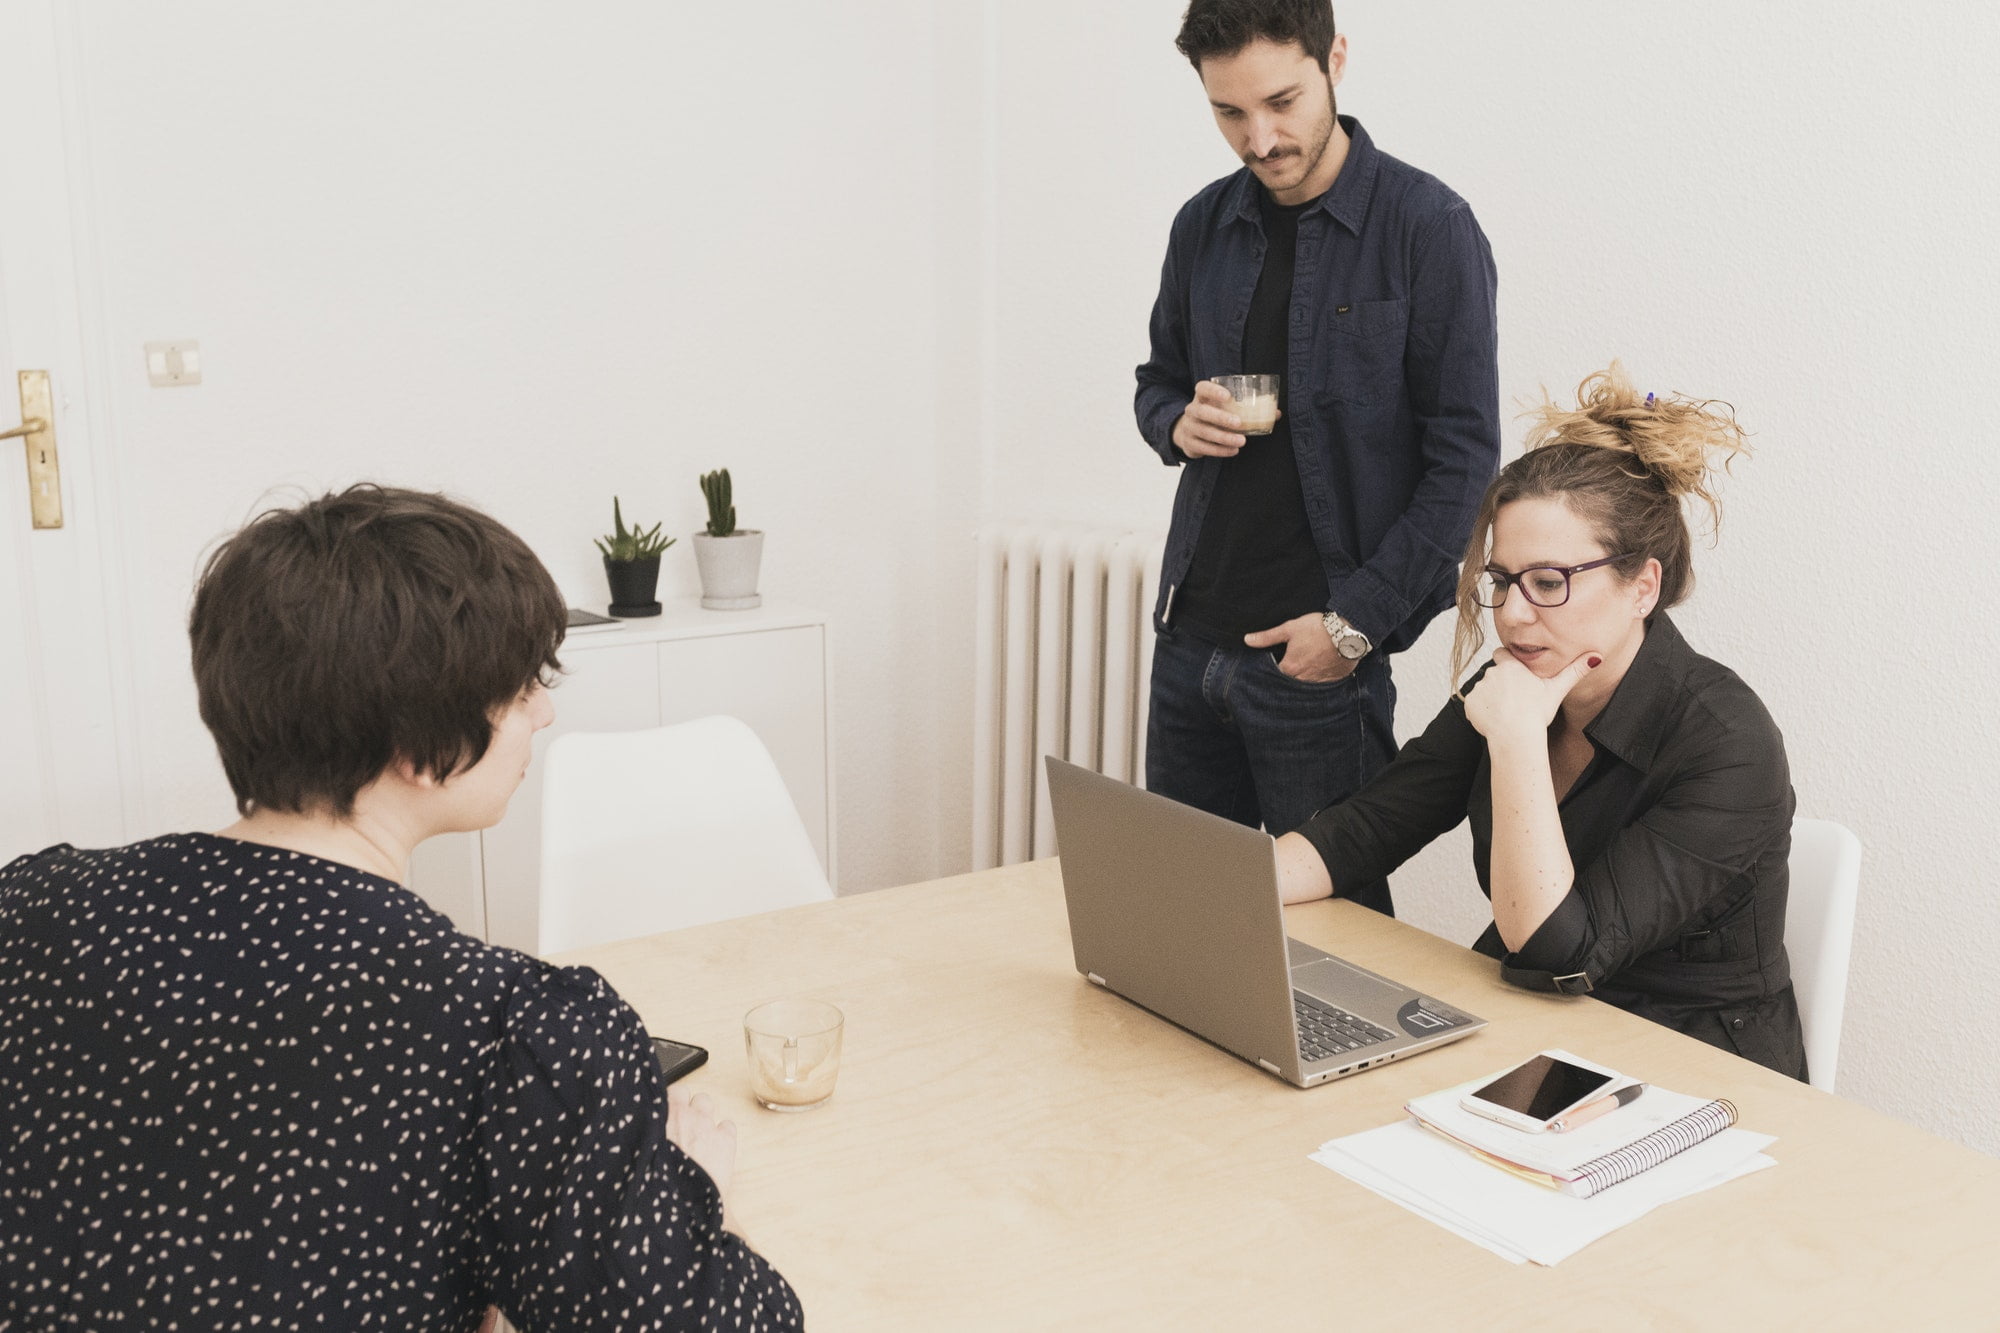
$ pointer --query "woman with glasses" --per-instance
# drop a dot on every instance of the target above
(1629, 799)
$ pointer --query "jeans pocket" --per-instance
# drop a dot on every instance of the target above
(1351, 679)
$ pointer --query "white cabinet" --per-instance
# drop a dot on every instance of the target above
(768, 667)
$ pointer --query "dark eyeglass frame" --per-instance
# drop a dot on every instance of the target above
(1505, 581)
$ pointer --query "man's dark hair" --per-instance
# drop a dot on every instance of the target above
(332, 639)
(1224, 27)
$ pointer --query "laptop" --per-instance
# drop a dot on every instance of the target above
(1177, 910)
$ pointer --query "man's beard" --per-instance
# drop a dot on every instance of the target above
(1322, 137)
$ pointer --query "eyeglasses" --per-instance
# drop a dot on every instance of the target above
(1544, 585)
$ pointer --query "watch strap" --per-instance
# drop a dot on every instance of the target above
(1339, 628)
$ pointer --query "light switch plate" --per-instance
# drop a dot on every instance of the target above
(173, 363)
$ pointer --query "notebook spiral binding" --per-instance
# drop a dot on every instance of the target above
(1602, 1173)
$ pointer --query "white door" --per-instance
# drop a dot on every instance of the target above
(64, 775)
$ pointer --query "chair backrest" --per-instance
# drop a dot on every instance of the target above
(645, 831)
(1819, 935)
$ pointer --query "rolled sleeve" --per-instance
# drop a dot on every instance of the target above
(1700, 842)
(1418, 798)
(1452, 377)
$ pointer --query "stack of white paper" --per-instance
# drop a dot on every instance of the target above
(1517, 1219)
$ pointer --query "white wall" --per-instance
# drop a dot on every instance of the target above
(1783, 205)
(534, 256)
(510, 251)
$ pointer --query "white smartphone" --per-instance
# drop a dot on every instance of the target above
(1541, 1089)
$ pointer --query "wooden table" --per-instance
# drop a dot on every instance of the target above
(1012, 1148)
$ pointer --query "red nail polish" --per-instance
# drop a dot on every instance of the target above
(1596, 661)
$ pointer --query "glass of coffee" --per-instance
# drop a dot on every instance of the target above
(1256, 404)
(794, 1050)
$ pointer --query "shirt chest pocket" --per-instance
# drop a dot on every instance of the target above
(1363, 350)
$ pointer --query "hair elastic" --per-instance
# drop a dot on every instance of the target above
(1649, 400)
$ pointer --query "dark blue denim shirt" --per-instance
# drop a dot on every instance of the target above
(1392, 382)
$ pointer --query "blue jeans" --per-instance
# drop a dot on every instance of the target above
(1230, 733)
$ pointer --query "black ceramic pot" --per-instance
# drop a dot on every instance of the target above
(632, 585)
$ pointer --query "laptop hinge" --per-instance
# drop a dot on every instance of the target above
(1093, 977)
(1273, 1068)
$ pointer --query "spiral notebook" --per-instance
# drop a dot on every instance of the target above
(1612, 1149)
(1441, 1182)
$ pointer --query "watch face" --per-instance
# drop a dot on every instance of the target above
(1348, 641)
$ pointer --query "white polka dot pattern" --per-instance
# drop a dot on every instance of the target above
(242, 1088)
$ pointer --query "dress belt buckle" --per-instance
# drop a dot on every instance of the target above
(1575, 983)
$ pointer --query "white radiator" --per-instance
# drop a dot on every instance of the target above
(1062, 660)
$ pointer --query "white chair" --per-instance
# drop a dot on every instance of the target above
(1819, 935)
(645, 831)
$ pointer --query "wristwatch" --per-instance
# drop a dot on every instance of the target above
(1348, 641)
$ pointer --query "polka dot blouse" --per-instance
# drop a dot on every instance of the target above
(242, 1088)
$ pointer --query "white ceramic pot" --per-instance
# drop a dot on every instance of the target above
(729, 569)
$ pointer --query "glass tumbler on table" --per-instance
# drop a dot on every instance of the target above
(794, 1050)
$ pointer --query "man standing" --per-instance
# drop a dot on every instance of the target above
(1299, 560)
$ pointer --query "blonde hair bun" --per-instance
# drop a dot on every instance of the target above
(1677, 439)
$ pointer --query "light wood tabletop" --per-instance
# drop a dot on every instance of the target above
(1010, 1147)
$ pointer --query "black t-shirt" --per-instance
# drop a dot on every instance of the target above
(1255, 564)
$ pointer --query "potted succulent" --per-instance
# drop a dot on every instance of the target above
(632, 565)
(727, 555)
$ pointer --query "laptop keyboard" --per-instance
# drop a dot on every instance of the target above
(1326, 1031)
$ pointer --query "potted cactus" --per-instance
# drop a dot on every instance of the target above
(632, 565)
(727, 555)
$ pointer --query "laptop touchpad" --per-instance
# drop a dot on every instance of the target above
(1335, 982)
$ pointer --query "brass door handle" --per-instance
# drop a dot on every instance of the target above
(38, 428)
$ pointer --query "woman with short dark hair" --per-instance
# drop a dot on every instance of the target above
(249, 1079)
(1629, 799)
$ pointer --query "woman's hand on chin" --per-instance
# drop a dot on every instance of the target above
(1511, 701)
